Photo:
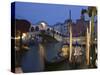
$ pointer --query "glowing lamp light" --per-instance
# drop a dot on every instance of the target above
(17, 37)
(90, 58)
(23, 35)
(95, 38)
(43, 25)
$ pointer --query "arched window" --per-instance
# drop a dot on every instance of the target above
(36, 28)
(48, 29)
(57, 33)
(32, 29)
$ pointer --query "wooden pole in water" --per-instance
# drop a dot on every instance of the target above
(70, 55)
(88, 46)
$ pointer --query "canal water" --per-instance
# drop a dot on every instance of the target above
(33, 59)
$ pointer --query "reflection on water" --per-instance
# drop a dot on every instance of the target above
(31, 60)
(52, 50)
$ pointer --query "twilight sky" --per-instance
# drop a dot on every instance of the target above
(51, 13)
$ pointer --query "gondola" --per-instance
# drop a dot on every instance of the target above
(56, 60)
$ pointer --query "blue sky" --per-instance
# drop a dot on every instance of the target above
(51, 13)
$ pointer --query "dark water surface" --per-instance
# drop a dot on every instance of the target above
(33, 60)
